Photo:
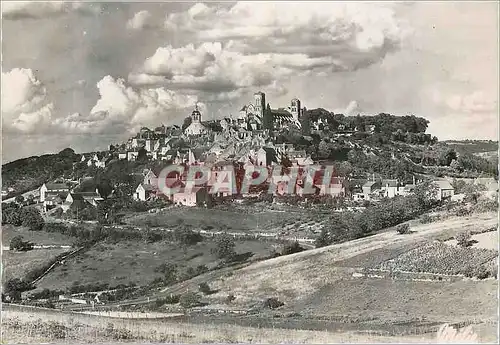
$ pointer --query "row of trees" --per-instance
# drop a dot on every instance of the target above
(16, 215)
(384, 123)
(351, 225)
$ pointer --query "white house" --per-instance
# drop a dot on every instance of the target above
(52, 188)
(144, 192)
(445, 189)
(132, 155)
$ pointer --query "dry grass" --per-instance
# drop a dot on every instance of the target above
(18, 264)
(254, 218)
(37, 237)
(303, 273)
(28, 327)
(135, 262)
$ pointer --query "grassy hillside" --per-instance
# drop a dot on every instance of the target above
(135, 262)
(336, 281)
(29, 173)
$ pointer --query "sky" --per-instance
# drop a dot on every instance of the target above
(85, 75)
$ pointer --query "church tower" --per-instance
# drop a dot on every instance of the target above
(295, 109)
(260, 103)
(196, 115)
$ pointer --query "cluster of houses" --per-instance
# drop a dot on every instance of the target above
(63, 195)
(231, 143)
(248, 125)
(375, 189)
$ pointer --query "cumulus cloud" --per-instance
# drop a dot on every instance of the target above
(140, 20)
(263, 44)
(351, 109)
(356, 34)
(124, 109)
(476, 102)
(25, 107)
(212, 67)
(35, 9)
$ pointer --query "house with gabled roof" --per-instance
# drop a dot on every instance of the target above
(445, 189)
(81, 199)
(52, 189)
(144, 192)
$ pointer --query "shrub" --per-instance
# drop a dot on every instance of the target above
(230, 298)
(464, 239)
(324, 239)
(291, 248)
(17, 243)
(14, 287)
(200, 269)
(204, 288)
(187, 237)
(32, 218)
(189, 300)
(426, 219)
(462, 212)
(403, 229)
(46, 294)
(224, 247)
(273, 303)
(169, 271)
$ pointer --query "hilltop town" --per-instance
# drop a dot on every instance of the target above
(374, 156)
(93, 233)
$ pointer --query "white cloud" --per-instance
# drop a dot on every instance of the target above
(213, 67)
(139, 21)
(357, 34)
(351, 109)
(263, 44)
(24, 101)
(476, 102)
(123, 109)
(41, 9)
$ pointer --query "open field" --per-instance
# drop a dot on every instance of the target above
(18, 264)
(285, 220)
(320, 283)
(37, 237)
(25, 325)
(135, 262)
(301, 273)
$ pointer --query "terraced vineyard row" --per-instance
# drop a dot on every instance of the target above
(440, 258)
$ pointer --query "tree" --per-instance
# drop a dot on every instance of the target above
(14, 287)
(187, 122)
(32, 218)
(403, 229)
(292, 248)
(205, 288)
(447, 156)
(19, 199)
(224, 247)
(11, 214)
(169, 272)
(17, 243)
(189, 300)
(267, 121)
(464, 239)
(324, 238)
(142, 155)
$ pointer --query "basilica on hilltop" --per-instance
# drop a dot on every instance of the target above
(251, 117)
